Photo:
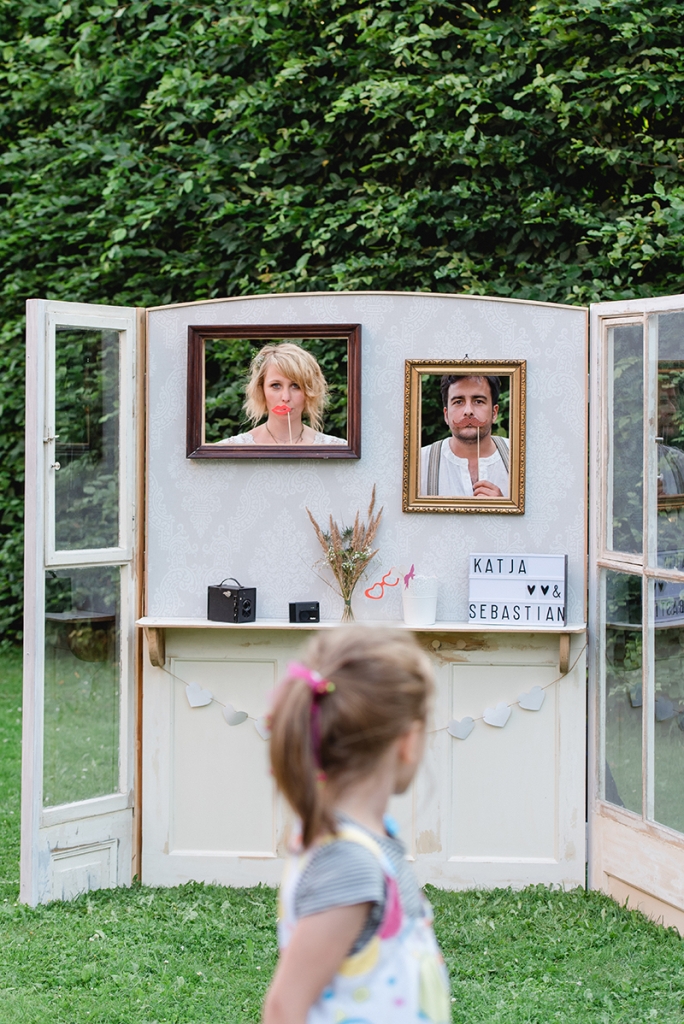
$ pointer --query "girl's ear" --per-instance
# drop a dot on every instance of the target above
(411, 744)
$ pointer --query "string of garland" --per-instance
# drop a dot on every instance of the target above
(198, 696)
(498, 716)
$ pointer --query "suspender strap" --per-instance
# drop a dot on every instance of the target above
(433, 468)
(502, 449)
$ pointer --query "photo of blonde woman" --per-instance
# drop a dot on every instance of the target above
(287, 387)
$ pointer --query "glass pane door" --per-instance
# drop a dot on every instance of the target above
(81, 602)
(86, 438)
(636, 607)
(639, 560)
(82, 683)
(626, 433)
(623, 693)
(669, 328)
(668, 707)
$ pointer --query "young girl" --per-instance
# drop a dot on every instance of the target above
(355, 932)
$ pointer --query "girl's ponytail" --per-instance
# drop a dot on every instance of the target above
(334, 716)
(295, 748)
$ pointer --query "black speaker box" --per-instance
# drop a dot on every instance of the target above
(305, 611)
(231, 603)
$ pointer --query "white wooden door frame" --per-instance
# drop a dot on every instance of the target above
(103, 822)
(629, 855)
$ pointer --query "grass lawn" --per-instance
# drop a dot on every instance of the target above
(199, 954)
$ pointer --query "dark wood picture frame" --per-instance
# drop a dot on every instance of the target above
(516, 371)
(196, 446)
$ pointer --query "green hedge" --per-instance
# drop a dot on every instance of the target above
(157, 151)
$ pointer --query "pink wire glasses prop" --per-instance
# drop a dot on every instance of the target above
(381, 585)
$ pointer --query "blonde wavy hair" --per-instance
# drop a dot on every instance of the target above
(299, 366)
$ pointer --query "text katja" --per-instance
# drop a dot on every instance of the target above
(504, 566)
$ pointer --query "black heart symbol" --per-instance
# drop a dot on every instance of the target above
(545, 590)
(531, 589)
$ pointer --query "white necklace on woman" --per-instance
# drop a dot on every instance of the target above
(276, 441)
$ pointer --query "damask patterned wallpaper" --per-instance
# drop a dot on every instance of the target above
(210, 519)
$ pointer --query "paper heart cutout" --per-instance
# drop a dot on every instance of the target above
(531, 589)
(261, 726)
(197, 696)
(375, 596)
(234, 717)
(497, 716)
(545, 590)
(533, 700)
(461, 730)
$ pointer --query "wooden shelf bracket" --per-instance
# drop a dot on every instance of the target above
(564, 653)
(156, 645)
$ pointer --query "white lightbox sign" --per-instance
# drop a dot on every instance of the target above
(518, 590)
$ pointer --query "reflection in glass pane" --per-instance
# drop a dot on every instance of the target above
(82, 684)
(669, 703)
(227, 371)
(623, 696)
(87, 449)
(671, 448)
(626, 344)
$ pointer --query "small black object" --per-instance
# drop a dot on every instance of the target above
(305, 611)
(231, 603)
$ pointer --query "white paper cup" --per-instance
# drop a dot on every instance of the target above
(420, 601)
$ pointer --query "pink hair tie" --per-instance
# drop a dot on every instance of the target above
(316, 683)
(319, 687)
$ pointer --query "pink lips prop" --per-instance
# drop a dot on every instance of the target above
(280, 410)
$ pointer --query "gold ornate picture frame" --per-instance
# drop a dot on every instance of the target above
(430, 466)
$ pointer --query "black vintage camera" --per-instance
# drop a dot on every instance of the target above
(231, 603)
(305, 611)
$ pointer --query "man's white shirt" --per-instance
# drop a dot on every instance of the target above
(454, 475)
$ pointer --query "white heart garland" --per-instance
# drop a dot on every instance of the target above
(533, 700)
(461, 730)
(234, 717)
(197, 696)
(497, 716)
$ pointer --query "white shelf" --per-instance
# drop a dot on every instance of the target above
(155, 631)
(162, 622)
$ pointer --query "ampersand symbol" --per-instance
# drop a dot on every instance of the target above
(556, 592)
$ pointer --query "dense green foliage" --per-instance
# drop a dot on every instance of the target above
(157, 150)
